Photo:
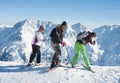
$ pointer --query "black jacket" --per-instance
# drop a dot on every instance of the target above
(57, 35)
(86, 40)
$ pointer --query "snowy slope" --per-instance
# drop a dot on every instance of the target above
(12, 72)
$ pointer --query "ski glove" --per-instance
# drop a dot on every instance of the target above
(93, 42)
(63, 44)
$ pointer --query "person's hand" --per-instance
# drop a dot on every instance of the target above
(93, 43)
(63, 44)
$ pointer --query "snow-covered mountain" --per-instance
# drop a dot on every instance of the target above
(108, 39)
(16, 41)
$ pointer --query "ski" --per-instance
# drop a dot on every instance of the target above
(51, 69)
(29, 66)
(89, 69)
(25, 67)
(80, 67)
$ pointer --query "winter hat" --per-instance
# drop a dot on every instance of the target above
(93, 34)
(64, 23)
(41, 27)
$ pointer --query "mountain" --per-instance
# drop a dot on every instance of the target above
(108, 39)
(16, 41)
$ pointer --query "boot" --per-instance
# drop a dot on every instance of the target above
(29, 64)
(73, 66)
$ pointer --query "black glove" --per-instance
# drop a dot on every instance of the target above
(93, 42)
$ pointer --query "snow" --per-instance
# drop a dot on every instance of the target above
(14, 73)
(15, 51)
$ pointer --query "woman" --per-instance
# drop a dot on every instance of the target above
(37, 42)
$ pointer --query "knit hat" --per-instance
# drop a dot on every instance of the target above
(41, 27)
(93, 34)
(64, 23)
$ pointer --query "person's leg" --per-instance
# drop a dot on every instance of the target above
(85, 57)
(57, 55)
(33, 54)
(38, 54)
(77, 54)
(53, 61)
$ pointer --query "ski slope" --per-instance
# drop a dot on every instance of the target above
(12, 72)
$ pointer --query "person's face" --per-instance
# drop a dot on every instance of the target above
(64, 27)
(93, 39)
(41, 30)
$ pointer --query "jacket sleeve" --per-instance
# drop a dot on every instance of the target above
(39, 36)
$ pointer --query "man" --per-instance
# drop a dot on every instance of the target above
(80, 47)
(37, 41)
(56, 39)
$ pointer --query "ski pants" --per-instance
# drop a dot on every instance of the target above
(35, 50)
(80, 48)
(57, 55)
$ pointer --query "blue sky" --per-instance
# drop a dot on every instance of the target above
(90, 13)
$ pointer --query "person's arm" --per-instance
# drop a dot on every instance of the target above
(39, 36)
(92, 41)
(59, 35)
